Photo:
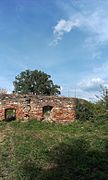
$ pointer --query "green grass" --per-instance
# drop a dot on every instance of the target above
(40, 151)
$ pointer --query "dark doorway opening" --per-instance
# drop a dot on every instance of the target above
(47, 112)
(10, 114)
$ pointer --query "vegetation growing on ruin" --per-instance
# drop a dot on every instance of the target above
(93, 111)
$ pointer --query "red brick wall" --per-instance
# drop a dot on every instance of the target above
(28, 107)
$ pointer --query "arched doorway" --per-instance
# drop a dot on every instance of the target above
(10, 114)
(47, 112)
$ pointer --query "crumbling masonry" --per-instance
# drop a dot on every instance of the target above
(50, 108)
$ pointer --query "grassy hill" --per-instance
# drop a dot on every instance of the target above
(40, 151)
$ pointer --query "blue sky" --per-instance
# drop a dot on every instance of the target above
(66, 39)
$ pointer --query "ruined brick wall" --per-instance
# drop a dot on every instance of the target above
(51, 108)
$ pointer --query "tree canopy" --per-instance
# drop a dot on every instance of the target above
(35, 82)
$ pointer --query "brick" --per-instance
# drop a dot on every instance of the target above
(31, 106)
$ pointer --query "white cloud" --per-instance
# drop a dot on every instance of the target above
(62, 27)
(94, 22)
(90, 88)
(93, 84)
(65, 26)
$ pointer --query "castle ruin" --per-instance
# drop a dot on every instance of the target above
(25, 107)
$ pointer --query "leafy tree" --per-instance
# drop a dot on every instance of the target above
(104, 97)
(84, 110)
(101, 106)
(35, 82)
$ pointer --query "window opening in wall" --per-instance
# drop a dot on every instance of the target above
(47, 111)
(10, 114)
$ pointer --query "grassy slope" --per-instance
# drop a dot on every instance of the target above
(35, 150)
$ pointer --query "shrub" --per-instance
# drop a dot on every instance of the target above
(84, 110)
(101, 106)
